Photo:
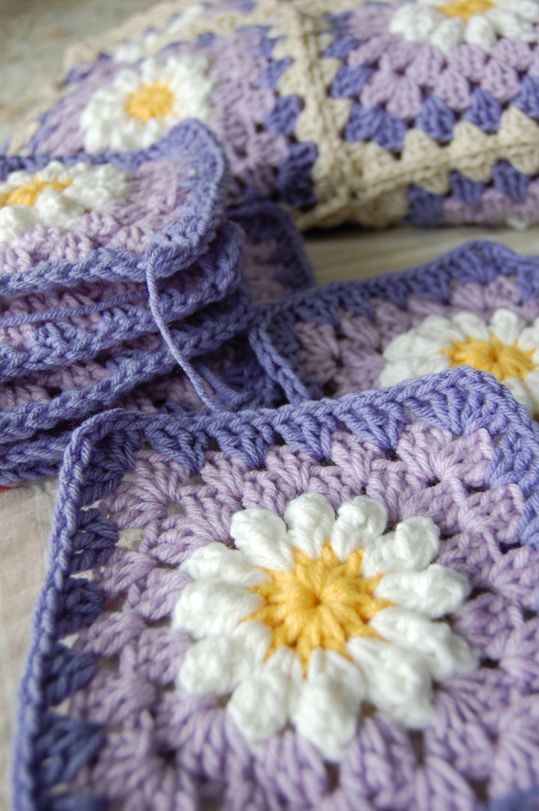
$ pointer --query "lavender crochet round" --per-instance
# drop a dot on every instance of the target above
(103, 719)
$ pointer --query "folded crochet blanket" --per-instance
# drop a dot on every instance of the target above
(422, 110)
(477, 305)
(327, 606)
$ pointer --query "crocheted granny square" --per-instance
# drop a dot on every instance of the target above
(422, 110)
(58, 327)
(322, 607)
(109, 215)
(241, 68)
(477, 305)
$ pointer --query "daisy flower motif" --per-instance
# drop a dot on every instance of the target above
(314, 617)
(56, 195)
(505, 346)
(447, 23)
(143, 102)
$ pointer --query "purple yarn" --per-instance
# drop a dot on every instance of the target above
(233, 364)
(455, 447)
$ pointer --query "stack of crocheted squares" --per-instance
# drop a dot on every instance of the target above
(327, 606)
(422, 110)
(117, 271)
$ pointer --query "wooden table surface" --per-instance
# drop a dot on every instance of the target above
(25, 513)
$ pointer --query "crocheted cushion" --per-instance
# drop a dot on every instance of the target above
(477, 305)
(326, 606)
(65, 220)
(421, 110)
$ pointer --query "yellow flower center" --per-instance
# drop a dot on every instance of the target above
(150, 101)
(492, 356)
(27, 194)
(320, 603)
(466, 8)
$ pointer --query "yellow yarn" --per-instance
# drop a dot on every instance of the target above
(150, 101)
(28, 194)
(465, 8)
(319, 603)
(493, 356)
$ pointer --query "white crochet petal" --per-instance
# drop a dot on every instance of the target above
(262, 538)
(446, 654)
(358, 523)
(215, 561)
(413, 545)
(412, 367)
(435, 591)
(415, 342)
(507, 325)
(329, 702)
(310, 519)
(211, 607)
(525, 9)
(397, 681)
(480, 31)
(532, 386)
(439, 329)
(524, 391)
(472, 325)
(15, 221)
(267, 697)
(447, 35)
(529, 337)
(214, 666)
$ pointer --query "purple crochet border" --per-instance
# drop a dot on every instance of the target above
(174, 247)
(273, 338)
(50, 749)
(221, 274)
